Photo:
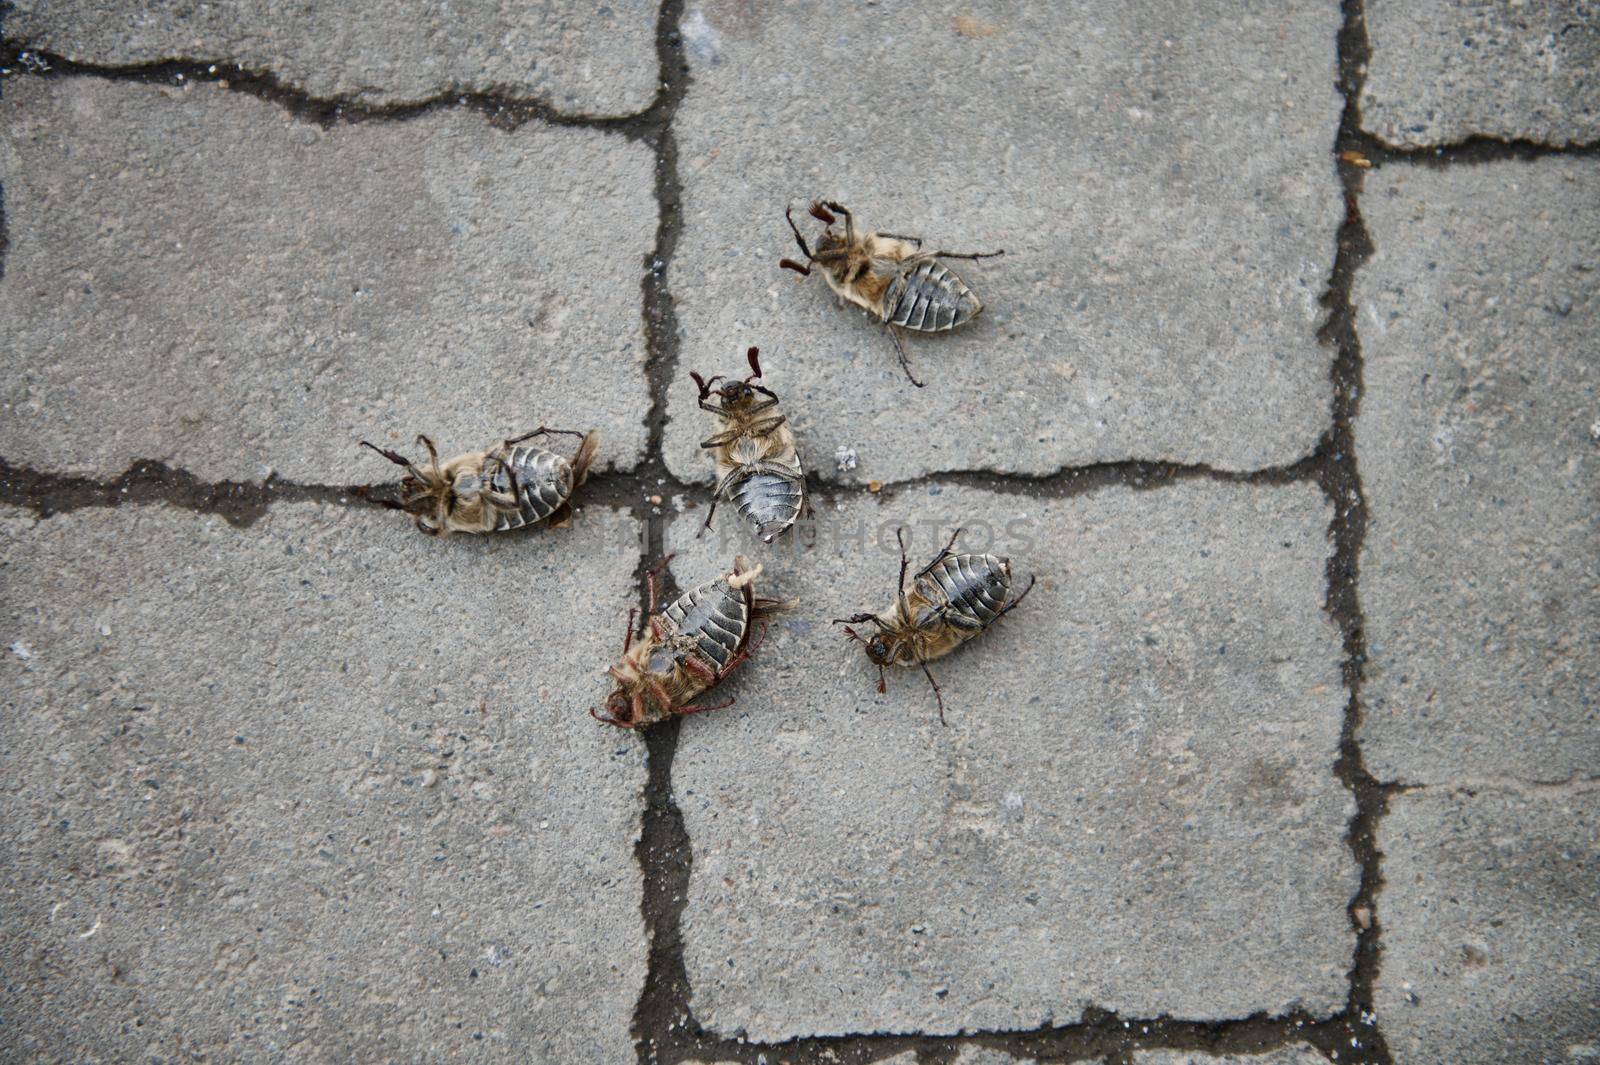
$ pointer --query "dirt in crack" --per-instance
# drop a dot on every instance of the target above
(1354, 1035)
(501, 110)
(661, 1019)
(240, 502)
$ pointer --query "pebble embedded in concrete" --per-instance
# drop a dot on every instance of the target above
(1443, 71)
(1480, 571)
(198, 278)
(574, 58)
(1133, 806)
(1160, 180)
(1491, 933)
(1289, 1055)
(317, 787)
(976, 1055)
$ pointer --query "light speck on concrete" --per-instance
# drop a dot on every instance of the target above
(1160, 176)
(198, 278)
(1480, 573)
(320, 788)
(1491, 926)
(1133, 806)
(1445, 70)
(576, 58)
(1289, 1055)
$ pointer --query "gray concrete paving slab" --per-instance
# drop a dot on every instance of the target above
(197, 277)
(578, 58)
(1480, 574)
(1290, 1055)
(317, 789)
(1159, 176)
(1133, 805)
(1491, 926)
(1445, 70)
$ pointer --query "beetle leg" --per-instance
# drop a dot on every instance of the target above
(788, 213)
(650, 579)
(937, 692)
(627, 639)
(663, 700)
(608, 720)
(769, 425)
(709, 515)
(684, 711)
(967, 254)
(542, 431)
(849, 221)
(905, 360)
(943, 554)
(699, 669)
(1031, 581)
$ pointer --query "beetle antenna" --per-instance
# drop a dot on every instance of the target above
(755, 364)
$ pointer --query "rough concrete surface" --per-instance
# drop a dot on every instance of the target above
(1445, 70)
(579, 58)
(197, 277)
(1159, 176)
(1491, 917)
(1292, 1055)
(1133, 806)
(316, 789)
(1480, 457)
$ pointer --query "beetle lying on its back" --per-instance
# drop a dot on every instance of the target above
(889, 276)
(758, 465)
(951, 600)
(685, 650)
(504, 487)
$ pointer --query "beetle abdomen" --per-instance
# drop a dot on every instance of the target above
(716, 616)
(974, 586)
(929, 297)
(769, 501)
(544, 480)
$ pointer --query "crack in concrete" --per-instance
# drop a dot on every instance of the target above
(663, 849)
(1469, 151)
(1526, 788)
(1360, 1038)
(243, 502)
(503, 111)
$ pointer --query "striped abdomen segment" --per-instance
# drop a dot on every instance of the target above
(928, 296)
(769, 501)
(974, 586)
(716, 617)
(544, 480)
